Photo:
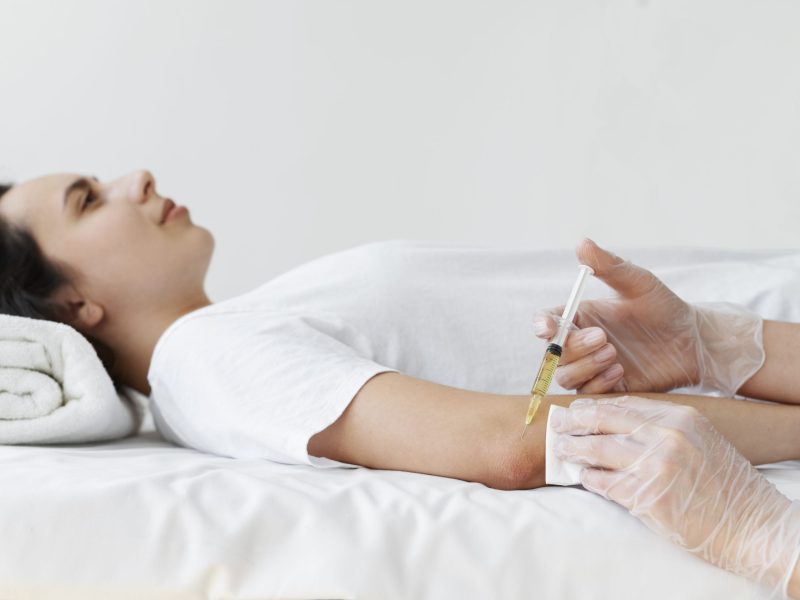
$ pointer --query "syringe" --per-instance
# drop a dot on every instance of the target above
(554, 348)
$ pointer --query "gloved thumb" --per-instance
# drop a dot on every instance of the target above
(621, 275)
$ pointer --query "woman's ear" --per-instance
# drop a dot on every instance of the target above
(90, 314)
(80, 312)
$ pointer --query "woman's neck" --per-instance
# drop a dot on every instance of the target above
(134, 356)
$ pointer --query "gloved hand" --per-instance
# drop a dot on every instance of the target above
(660, 341)
(669, 466)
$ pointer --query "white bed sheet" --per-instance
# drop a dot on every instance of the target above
(140, 518)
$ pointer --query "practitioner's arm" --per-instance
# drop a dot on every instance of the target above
(763, 432)
(778, 379)
(794, 582)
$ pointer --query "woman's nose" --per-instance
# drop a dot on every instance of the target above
(144, 185)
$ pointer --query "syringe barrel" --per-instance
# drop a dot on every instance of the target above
(565, 323)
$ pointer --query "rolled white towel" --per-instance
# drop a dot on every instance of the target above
(54, 388)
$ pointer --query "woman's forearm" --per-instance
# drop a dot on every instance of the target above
(778, 379)
(763, 432)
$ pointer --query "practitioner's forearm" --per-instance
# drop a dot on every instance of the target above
(764, 433)
(778, 379)
(793, 589)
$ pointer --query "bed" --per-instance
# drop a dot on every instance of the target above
(140, 518)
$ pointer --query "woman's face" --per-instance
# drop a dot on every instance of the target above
(111, 234)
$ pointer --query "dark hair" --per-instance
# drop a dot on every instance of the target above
(28, 281)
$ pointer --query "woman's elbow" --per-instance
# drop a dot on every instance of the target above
(519, 468)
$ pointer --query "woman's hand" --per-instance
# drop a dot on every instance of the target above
(658, 342)
(669, 466)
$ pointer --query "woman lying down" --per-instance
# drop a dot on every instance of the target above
(332, 364)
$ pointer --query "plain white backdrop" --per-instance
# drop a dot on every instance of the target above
(293, 129)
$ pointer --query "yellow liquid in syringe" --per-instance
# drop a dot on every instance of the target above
(543, 378)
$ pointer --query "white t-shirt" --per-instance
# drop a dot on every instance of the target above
(259, 374)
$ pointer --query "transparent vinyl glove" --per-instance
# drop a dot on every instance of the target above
(657, 341)
(671, 468)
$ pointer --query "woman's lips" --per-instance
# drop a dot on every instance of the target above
(175, 212)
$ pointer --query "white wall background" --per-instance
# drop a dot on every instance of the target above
(294, 129)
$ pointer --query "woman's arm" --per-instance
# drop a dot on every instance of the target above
(778, 379)
(763, 432)
(402, 423)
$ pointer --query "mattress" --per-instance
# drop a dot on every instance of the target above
(141, 518)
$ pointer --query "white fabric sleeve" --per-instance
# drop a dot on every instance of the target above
(227, 387)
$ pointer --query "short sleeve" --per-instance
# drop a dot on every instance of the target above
(245, 385)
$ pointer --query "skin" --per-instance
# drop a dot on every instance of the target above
(135, 275)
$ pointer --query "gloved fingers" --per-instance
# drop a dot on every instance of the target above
(607, 381)
(583, 344)
(629, 490)
(547, 320)
(658, 414)
(621, 487)
(646, 410)
(587, 363)
(597, 480)
(579, 342)
(626, 278)
(589, 416)
(617, 451)
(633, 402)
